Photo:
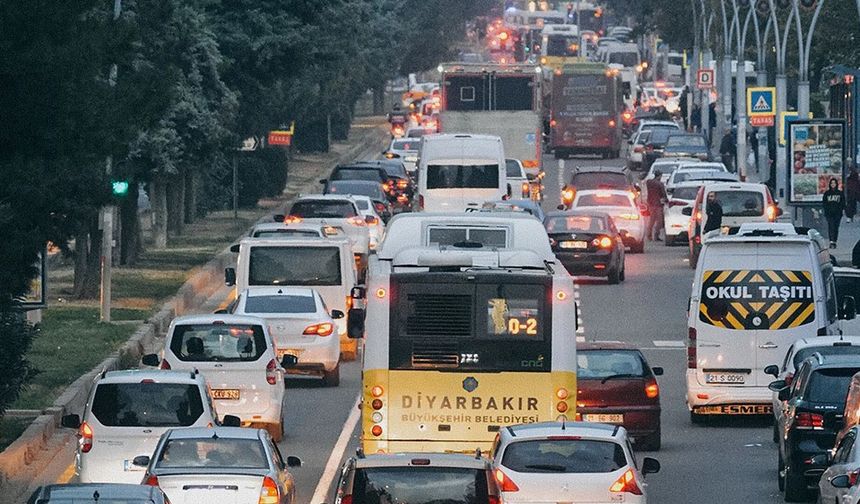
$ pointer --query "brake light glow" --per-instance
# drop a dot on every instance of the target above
(852, 477)
(272, 372)
(377, 391)
(525, 189)
(629, 216)
(809, 421)
(86, 440)
(152, 481)
(602, 242)
(376, 430)
(626, 484)
(505, 483)
(402, 184)
(562, 393)
(372, 221)
(567, 195)
(652, 390)
(691, 348)
(771, 213)
(357, 221)
(553, 123)
(322, 329)
(612, 123)
(292, 219)
(269, 493)
(380, 293)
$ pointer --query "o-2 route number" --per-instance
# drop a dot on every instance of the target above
(516, 327)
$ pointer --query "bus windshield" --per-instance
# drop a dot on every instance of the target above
(562, 45)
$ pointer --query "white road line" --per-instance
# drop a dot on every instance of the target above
(332, 466)
(670, 343)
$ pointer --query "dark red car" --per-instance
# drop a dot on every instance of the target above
(616, 385)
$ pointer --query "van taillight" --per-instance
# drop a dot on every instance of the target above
(272, 372)
(691, 348)
(164, 364)
(86, 441)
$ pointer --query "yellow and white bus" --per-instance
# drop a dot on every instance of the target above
(465, 336)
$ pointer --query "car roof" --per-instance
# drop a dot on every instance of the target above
(156, 375)
(435, 459)
(298, 226)
(333, 197)
(740, 186)
(598, 169)
(212, 318)
(577, 211)
(825, 341)
(846, 271)
(214, 432)
(84, 491)
(541, 430)
(606, 345)
(830, 361)
(369, 183)
(266, 290)
(669, 160)
(360, 165)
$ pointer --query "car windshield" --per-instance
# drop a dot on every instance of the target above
(147, 404)
(408, 145)
(599, 180)
(597, 199)
(569, 455)
(803, 353)
(218, 342)
(583, 223)
(685, 193)
(284, 303)
(213, 452)
(351, 187)
(686, 141)
(660, 135)
(829, 385)
(290, 265)
(599, 364)
(463, 176)
(684, 175)
(357, 174)
(741, 203)
(322, 209)
(419, 485)
(512, 169)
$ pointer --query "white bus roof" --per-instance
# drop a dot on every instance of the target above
(408, 230)
(451, 257)
(562, 29)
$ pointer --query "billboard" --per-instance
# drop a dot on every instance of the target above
(816, 153)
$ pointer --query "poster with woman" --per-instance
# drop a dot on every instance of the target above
(816, 154)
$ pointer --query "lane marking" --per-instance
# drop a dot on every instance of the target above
(670, 343)
(333, 464)
(67, 475)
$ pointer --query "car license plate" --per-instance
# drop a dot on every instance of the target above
(232, 394)
(573, 244)
(724, 378)
(604, 418)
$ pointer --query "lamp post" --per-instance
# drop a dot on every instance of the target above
(707, 19)
(780, 41)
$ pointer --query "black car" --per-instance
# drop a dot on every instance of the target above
(596, 178)
(356, 171)
(815, 403)
(586, 243)
(655, 144)
(691, 145)
(400, 187)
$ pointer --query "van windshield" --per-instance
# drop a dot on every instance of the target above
(294, 266)
(451, 176)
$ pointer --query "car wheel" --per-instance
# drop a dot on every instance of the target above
(650, 443)
(795, 487)
(638, 248)
(614, 276)
(622, 275)
(332, 378)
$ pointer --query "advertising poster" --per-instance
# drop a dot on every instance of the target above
(816, 153)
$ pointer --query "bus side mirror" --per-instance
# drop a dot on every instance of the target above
(229, 277)
(848, 310)
(355, 323)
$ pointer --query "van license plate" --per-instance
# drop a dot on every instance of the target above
(578, 244)
(604, 418)
(724, 378)
(225, 394)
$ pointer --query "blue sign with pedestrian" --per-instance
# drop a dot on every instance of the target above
(760, 101)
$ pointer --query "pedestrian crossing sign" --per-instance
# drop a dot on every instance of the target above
(760, 101)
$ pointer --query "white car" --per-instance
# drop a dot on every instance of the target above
(518, 182)
(675, 223)
(333, 210)
(224, 464)
(300, 325)
(797, 353)
(279, 229)
(703, 165)
(126, 413)
(843, 471)
(637, 149)
(375, 224)
(236, 356)
(700, 175)
(576, 462)
(652, 124)
(408, 150)
(622, 207)
(667, 166)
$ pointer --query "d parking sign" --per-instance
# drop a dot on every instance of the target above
(705, 78)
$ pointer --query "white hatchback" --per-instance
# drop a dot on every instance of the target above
(300, 324)
(581, 462)
(621, 206)
(675, 222)
(236, 356)
(126, 413)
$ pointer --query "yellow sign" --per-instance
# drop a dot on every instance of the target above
(783, 130)
(761, 101)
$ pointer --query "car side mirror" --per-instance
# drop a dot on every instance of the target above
(784, 393)
(772, 370)
(358, 292)
(657, 370)
(140, 460)
(688, 211)
(71, 421)
(150, 360)
(848, 310)
(822, 459)
(323, 181)
(841, 481)
(234, 248)
(231, 421)
(337, 314)
(294, 461)
(229, 277)
(288, 361)
(650, 466)
(278, 218)
(355, 323)
(776, 386)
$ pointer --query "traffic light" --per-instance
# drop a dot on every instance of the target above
(119, 188)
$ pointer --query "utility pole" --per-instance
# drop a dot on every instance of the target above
(741, 87)
(780, 41)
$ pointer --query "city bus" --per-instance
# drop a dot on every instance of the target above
(560, 46)
(465, 333)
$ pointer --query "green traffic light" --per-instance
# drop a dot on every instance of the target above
(119, 187)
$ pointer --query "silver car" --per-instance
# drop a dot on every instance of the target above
(97, 493)
(221, 464)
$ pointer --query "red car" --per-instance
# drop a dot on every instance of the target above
(616, 385)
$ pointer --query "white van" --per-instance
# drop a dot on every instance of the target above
(457, 171)
(754, 293)
(326, 265)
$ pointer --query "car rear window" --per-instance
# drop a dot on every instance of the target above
(218, 343)
(741, 203)
(660, 135)
(294, 266)
(286, 303)
(463, 177)
(321, 209)
(573, 456)
(584, 223)
(616, 200)
(147, 404)
(213, 452)
(829, 385)
(407, 145)
(803, 353)
(685, 175)
(357, 174)
(348, 187)
(599, 180)
(686, 141)
(685, 193)
(601, 364)
(417, 485)
(394, 168)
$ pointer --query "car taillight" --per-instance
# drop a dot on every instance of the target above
(567, 196)
(323, 329)
(691, 348)
(349, 302)
(771, 213)
(638, 148)
(626, 484)
(272, 372)
(372, 221)
(699, 216)
(292, 219)
(86, 440)
(269, 493)
(152, 480)
(602, 242)
(852, 477)
(652, 390)
(357, 221)
(525, 189)
(346, 499)
(505, 483)
(164, 364)
(674, 203)
(402, 184)
(629, 216)
(612, 123)
(809, 421)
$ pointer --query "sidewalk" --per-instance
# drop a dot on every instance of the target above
(849, 234)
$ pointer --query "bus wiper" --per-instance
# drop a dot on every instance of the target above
(624, 375)
(547, 467)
